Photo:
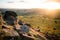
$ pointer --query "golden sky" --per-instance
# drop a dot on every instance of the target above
(55, 0)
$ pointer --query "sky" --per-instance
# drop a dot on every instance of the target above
(28, 4)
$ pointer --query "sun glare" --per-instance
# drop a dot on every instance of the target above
(51, 5)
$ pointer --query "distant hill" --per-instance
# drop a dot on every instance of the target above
(21, 11)
(28, 12)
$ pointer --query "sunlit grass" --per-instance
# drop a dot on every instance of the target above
(44, 24)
